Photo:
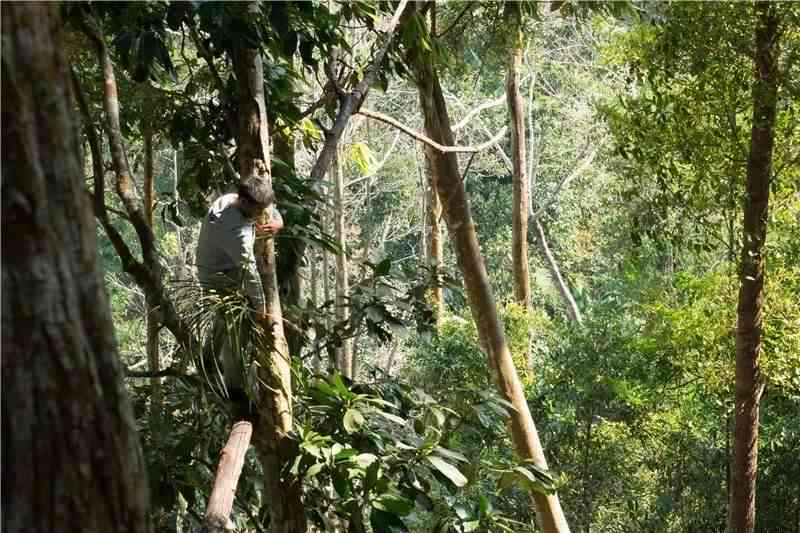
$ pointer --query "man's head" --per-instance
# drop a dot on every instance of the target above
(255, 195)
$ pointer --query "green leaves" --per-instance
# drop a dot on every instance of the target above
(530, 477)
(383, 522)
(449, 471)
(363, 157)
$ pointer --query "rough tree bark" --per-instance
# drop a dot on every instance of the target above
(490, 331)
(70, 454)
(749, 385)
(273, 442)
(344, 354)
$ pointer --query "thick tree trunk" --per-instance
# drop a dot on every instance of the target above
(490, 331)
(273, 442)
(70, 454)
(519, 217)
(434, 252)
(229, 468)
(749, 386)
(344, 354)
(152, 319)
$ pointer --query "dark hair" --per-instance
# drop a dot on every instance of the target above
(257, 191)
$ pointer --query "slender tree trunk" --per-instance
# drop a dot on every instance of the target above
(490, 331)
(274, 445)
(316, 360)
(146, 273)
(435, 250)
(290, 256)
(326, 283)
(229, 468)
(344, 356)
(519, 217)
(152, 319)
(563, 288)
(71, 458)
(749, 385)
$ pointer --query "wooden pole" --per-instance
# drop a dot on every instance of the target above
(231, 461)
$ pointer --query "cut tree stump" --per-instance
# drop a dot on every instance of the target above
(231, 461)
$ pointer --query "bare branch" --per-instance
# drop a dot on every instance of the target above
(455, 21)
(486, 105)
(430, 142)
(566, 179)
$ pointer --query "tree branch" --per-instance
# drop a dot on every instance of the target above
(147, 273)
(455, 21)
(430, 142)
(486, 105)
(569, 177)
(352, 102)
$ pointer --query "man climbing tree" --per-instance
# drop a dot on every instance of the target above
(225, 262)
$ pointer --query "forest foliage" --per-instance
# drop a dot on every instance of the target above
(638, 123)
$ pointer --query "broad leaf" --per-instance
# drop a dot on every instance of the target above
(450, 472)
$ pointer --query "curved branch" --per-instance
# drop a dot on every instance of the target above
(566, 179)
(486, 105)
(455, 21)
(430, 142)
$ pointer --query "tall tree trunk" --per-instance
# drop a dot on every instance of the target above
(434, 252)
(70, 454)
(749, 386)
(152, 319)
(516, 112)
(344, 353)
(273, 443)
(490, 331)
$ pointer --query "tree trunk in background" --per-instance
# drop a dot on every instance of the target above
(152, 319)
(326, 282)
(290, 255)
(71, 458)
(316, 360)
(563, 289)
(749, 385)
(516, 112)
(490, 331)
(434, 252)
(344, 354)
(273, 442)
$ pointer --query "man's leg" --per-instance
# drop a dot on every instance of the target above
(234, 354)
